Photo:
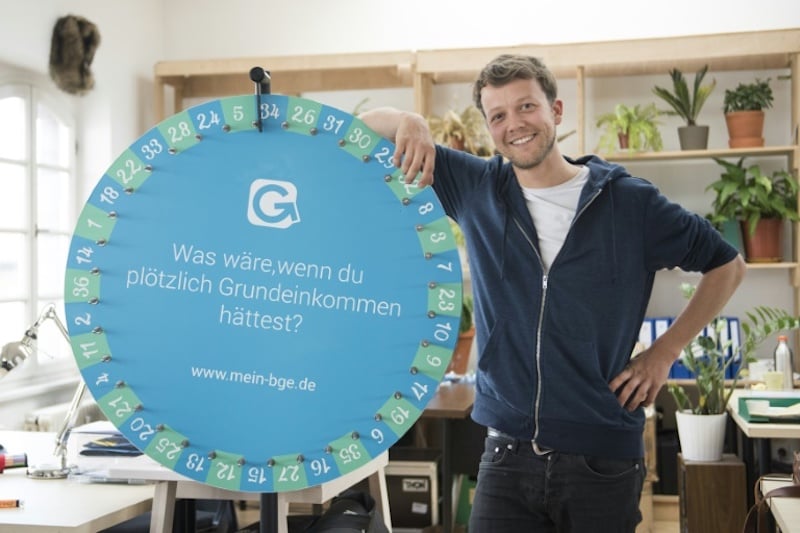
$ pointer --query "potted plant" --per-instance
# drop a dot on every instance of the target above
(744, 113)
(465, 130)
(709, 357)
(759, 202)
(687, 105)
(630, 128)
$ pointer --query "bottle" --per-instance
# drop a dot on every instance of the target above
(783, 362)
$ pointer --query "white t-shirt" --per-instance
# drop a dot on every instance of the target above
(552, 210)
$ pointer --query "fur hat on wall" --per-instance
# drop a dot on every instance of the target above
(72, 49)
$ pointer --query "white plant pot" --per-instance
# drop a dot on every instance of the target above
(702, 437)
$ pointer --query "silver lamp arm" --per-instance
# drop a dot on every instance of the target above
(15, 353)
(49, 313)
(69, 421)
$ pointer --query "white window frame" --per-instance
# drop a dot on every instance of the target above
(39, 374)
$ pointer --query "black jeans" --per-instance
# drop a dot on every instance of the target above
(519, 491)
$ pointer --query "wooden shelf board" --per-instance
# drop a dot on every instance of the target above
(324, 62)
(764, 151)
(290, 75)
(291, 83)
(722, 52)
(773, 266)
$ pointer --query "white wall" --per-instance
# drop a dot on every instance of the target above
(207, 28)
(119, 109)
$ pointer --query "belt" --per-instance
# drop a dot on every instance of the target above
(499, 434)
(516, 443)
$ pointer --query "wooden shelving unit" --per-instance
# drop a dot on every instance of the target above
(734, 51)
(422, 70)
(215, 78)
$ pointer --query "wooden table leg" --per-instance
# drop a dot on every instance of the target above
(163, 512)
(377, 488)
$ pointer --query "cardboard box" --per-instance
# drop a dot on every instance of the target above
(413, 488)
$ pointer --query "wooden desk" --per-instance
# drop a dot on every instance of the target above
(453, 401)
(61, 505)
(786, 511)
(760, 434)
(273, 512)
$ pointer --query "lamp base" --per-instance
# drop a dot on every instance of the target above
(49, 471)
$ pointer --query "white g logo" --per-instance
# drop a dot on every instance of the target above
(273, 204)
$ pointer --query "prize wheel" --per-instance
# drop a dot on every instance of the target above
(255, 297)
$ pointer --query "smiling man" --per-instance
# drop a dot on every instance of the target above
(563, 253)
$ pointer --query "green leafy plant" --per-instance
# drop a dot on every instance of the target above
(466, 314)
(746, 193)
(637, 123)
(686, 104)
(707, 356)
(753, 96)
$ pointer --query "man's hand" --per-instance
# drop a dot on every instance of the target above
(415, 150)
(641, 379)
(639, 382)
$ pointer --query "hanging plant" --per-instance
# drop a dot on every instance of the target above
(464, 131)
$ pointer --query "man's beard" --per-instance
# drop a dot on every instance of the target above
(526, 164)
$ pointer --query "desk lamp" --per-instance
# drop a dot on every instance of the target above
(14, 354)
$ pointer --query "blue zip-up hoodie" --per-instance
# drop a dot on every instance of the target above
(550, 342)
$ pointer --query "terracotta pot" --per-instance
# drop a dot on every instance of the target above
(766, 244)
(623, 140)
(745, 128)
(460, 360)
(457, 144)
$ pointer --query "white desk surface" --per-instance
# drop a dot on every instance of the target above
(785, 510)
(762, 430)
(67, 505)
(62, 505)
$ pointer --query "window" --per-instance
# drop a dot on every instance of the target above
(38, 193)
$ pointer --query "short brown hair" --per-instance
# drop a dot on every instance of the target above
(506, 68)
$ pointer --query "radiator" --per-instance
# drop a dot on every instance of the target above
(51, 418)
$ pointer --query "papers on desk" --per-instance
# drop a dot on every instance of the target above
(763, 408)
(95, 447)
(99, 427)
(103, 439)
(452, 377)
(783, 406)
(114, 467)
(110, 445)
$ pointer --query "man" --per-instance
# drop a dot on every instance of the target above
(563, 254)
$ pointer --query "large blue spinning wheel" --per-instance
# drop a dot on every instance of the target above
(262, 309)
